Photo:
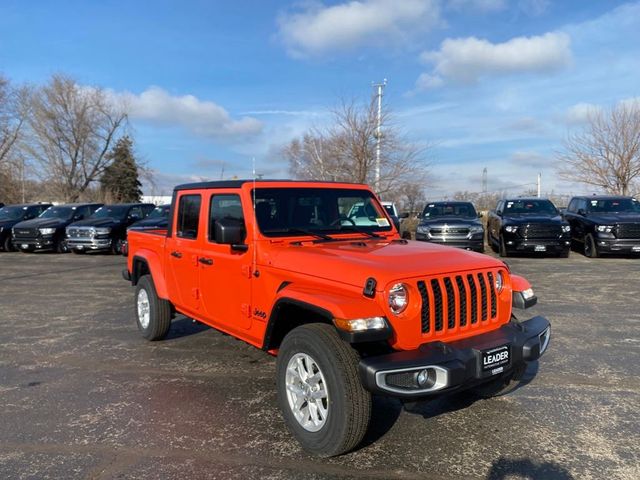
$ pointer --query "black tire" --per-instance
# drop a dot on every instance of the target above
(502, 385)
(491, 243)
(503, 248)
(590, 249)
(7, 245)
(61, 246)
(159, 319)
(116, 246)
(348, 403)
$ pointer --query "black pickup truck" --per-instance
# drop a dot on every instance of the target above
(604, 224)
(106, 229)
(10, 215)
(456, 224)
(158, 218)
(47, 232)
(521, 225)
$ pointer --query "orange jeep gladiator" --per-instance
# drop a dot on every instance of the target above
(316, 273)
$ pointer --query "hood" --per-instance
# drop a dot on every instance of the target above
(8, 222)
(457, 221)
(97, 222)
(528, 218)
(151, 223)
(613, 218)
(43, 223)
(352, 262)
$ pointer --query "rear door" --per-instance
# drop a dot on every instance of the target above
(225, 274)
(181, 252)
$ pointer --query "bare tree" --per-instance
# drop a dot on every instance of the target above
(13, 114)
(607, 153)
(72, 129)
(345, 151)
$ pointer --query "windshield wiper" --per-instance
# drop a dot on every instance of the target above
(311, 233)
(359, 230)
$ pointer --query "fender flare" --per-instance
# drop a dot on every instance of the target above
(153, 263)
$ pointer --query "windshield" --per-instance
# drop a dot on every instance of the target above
(58, 212)
(465, 210)
(518, 207)
(111, 211)
(13, 213)
(615, 205)
(160, 212)
(298, 211)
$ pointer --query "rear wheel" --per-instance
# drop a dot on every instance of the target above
(153, 314)
(590, 249)
(320, 394)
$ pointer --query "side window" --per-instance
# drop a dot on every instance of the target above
(136, 212)
(227, 207)
(582, 205)
(500, 207)
(572, 205)
(188, 214)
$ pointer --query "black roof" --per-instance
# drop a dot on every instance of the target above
(601, 197)
(78, 204)
(239, 183)
(22, 205)
(127, 204)
(526, 199)
(450, 202)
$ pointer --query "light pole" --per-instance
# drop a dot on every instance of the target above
(378, 134)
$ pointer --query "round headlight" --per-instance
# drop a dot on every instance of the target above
(499, 282)
(398, 298)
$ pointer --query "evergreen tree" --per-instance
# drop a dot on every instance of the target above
(120, 182)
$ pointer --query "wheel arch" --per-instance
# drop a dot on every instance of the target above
(148, 263)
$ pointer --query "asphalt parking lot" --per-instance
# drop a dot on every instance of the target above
(82, 395)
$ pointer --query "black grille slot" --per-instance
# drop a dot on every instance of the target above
(437, 300)
(462, 291)
(474, 298)
(540, 230)
(451, 303)
(424, 313)
(483, 292)
(492, 292)
(628, 230)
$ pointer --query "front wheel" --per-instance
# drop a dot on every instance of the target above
(503, 247)
(153, 314)
(320, 394)
(590, 249)
(61, 246)
(8, 245)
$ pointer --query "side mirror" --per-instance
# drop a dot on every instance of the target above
(581, 212)
(230, 232)
(78, 217)
(404, 215)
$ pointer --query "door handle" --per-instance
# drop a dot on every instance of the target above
(205, 261)
(176, 254)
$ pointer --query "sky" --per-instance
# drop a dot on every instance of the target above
(212, 85)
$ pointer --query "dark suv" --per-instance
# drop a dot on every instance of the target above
(604, 224)
(47, 232)
(106, 229)
(12, 214)
(455, 224)
(528, 225)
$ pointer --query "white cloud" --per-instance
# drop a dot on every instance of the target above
(319, 29)
(478, 5)
(580, 113)
(201, 117)
(466, 60)
(534, 8)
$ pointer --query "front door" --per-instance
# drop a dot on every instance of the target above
(225, 274)
(181, 251)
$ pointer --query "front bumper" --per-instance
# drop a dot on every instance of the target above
(89, 243)
(34, 243)
(476, 244)
(515, 243)
(617, 245)
(456, 365)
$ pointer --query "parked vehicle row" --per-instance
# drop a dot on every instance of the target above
(593, 225)
(77, 227)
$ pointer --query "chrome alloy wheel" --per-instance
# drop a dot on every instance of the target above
(307, 392)
(144, 308)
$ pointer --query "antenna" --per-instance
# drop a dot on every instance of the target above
(378, 132)
(254, 267)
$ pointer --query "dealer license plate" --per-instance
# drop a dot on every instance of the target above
(540, 248)
(496, 358)
(635, 249)
(24, 245)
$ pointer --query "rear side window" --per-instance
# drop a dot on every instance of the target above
(225, 206)
(188, 214)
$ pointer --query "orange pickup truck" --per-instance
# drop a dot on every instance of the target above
(317, 274)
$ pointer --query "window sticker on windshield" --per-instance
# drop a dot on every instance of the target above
(431, 205)
(382, 222)
(509, 204)
(594, 203)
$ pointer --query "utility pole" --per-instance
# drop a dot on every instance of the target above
(539, 183)
(378, 134)
(22, 178)
(484, 180)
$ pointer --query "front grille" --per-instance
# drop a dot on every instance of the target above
(540, 230)
(627, 230)
(25, 232)
(449, 231)
(79, 233)
(456, 301)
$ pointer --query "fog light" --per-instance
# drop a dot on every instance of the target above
(528, 293)
(426, 378)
